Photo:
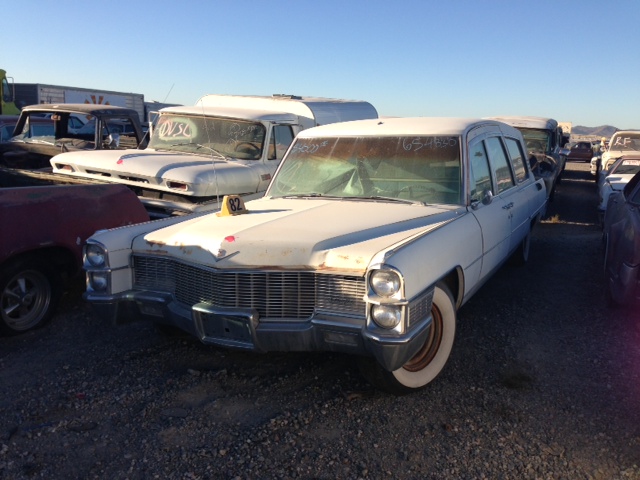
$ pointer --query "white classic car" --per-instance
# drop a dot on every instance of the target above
(615, 178)
(622, 142)
(369, 238)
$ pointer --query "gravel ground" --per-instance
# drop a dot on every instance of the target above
(543, 383)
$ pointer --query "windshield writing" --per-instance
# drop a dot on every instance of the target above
(424, 169)
(624, 142)
(203, 135)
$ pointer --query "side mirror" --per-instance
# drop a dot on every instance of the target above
(487, 198)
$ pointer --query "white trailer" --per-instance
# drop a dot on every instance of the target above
(40, 93)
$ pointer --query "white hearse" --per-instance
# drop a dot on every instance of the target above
(224, 144)
(369, 238)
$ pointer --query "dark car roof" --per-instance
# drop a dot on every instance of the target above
(84, 108)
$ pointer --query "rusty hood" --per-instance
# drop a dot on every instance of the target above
(319, 234)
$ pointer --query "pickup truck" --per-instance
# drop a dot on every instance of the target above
(544, 141)
(43, 231)
(43, 131)
(224, 144)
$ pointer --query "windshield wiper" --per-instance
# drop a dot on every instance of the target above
(385, 199)
(198, 146)
(310, 194)
(212, 150)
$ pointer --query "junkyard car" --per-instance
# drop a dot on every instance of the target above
(225, 144)
(622, 244)
(43, 230)
(46, 130)
(370, 236)
(615, 178)
(580, 152)
(543, 138)
(7, 124)
(623, 142)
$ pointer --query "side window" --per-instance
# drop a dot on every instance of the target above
(281, 138)
(499, 164)
(480, 175)
(517, 159)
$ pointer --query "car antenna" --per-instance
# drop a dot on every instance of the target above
(167, 95)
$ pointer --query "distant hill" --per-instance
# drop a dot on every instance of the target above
(601, 131)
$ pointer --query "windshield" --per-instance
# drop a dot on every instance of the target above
(423, 169)
(206, 135)
(625, 142)
(537, 140)
(626, 167)
(37, 129)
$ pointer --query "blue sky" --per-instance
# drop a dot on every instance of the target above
(576, 61)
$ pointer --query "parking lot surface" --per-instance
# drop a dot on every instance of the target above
(543, 383)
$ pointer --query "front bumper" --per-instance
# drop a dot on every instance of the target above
(242, 328)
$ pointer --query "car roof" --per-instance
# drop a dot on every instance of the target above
(83, 108)
(231, 112)
(396, 126)
(523, 121)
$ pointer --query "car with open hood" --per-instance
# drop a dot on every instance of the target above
(369, 238)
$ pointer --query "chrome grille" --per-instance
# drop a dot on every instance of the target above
(275, 294)
(420, 307)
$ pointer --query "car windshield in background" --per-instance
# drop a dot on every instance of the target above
(37, 129)
(536, 140)
(626, 167)
(424, 169)
(209, 135)
(626, 142)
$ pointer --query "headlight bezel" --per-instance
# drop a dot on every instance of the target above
(386, 283)
(95, 255)
(386, 299)
(98, 281)
(387, 316)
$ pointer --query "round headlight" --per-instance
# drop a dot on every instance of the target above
(386, 316)
(385, 283)
(98, 281)
(95, 254)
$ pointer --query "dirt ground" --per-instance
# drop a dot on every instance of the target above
(543, 382)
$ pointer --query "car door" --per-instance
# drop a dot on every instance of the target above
(524, 196)
(488, 208)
